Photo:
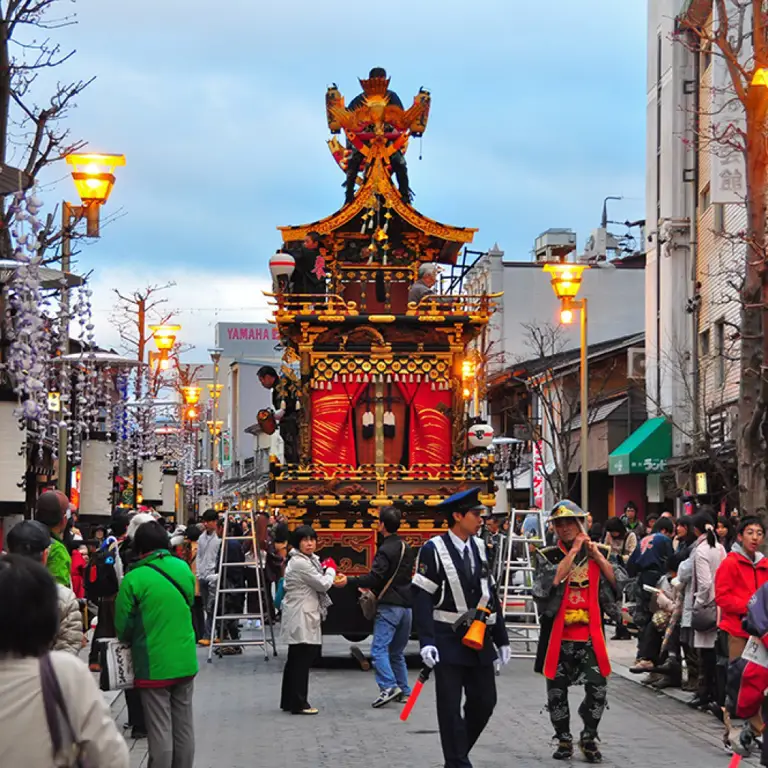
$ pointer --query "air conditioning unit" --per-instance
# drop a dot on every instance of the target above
(636, 363)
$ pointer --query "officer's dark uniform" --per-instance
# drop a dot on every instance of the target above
(443, 591)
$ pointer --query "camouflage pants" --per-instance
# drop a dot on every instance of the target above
(577, 666)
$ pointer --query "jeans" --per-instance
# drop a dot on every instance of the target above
(208, 596)
(391, 631)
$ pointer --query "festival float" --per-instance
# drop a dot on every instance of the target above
(380, 395)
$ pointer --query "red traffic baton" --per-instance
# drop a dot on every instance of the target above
(735, 760)
(415, 693)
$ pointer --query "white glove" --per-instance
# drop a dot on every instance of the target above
(505, 654)
(430, 656)
(279, 414)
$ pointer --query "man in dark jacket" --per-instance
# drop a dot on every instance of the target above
(390, 580)
(284, 401)
(309, 272)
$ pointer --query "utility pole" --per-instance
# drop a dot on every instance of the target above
(66, 265)
(141, 320)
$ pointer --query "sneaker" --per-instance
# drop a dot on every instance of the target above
(642, 665)
(307, 711)
(746, 742)
(564, 749)
(385, 696)
(588, 747)
(205, 642)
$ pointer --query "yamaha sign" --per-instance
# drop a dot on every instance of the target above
(248, 341)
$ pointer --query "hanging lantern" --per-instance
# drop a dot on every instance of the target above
(480, 435)
(282, 265)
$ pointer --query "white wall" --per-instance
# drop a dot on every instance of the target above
(669, 282)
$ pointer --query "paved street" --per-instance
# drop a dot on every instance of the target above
(239, 724)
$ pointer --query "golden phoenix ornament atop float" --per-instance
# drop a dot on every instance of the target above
(377, 129)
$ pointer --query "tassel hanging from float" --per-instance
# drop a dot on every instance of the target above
(368, 422)
(389, 424)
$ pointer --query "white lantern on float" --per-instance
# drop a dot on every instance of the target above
(480, 435)
(282, 265)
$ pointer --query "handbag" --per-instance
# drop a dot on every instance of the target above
(279, 593)
(703, 617)
(115, 657)
(116, 662)
(56, 711)
(368, 601)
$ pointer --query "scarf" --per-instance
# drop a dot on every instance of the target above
(322, 597)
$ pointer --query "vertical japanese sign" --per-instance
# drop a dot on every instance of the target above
(538, 476)
(727, 169)
(226, 449)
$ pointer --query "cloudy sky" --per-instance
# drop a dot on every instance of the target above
(538, 113)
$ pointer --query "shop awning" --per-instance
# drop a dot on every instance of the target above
(646, 451)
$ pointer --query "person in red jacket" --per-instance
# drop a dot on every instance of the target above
(739, 576)
(78, 569)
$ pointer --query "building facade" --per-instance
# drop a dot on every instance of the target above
(694, 259)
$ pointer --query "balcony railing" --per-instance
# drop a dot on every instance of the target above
(291, 307)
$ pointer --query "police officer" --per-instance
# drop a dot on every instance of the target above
(453, 582)
(493, 538)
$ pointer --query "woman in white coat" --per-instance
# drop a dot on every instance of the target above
(706, 555)
(304, 607)
(50, 706)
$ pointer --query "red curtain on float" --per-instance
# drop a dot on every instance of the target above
(333, 434)
(429, 425)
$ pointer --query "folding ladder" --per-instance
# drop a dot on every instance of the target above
(221, 619)
(516, 585)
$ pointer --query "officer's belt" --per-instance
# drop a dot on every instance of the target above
(449, 617)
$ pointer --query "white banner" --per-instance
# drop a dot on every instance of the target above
(728, 180)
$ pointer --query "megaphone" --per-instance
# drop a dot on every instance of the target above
(475, 636)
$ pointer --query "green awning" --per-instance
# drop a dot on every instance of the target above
(645, 452)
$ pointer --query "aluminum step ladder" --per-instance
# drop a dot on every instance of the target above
(515, 579)
(222, 621)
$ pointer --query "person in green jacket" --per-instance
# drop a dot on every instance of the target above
(49, 512)
(153, 614)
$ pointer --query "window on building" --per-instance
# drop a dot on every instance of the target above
(720, 353)
(704, 343)
(719, 225)
(704, 199)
